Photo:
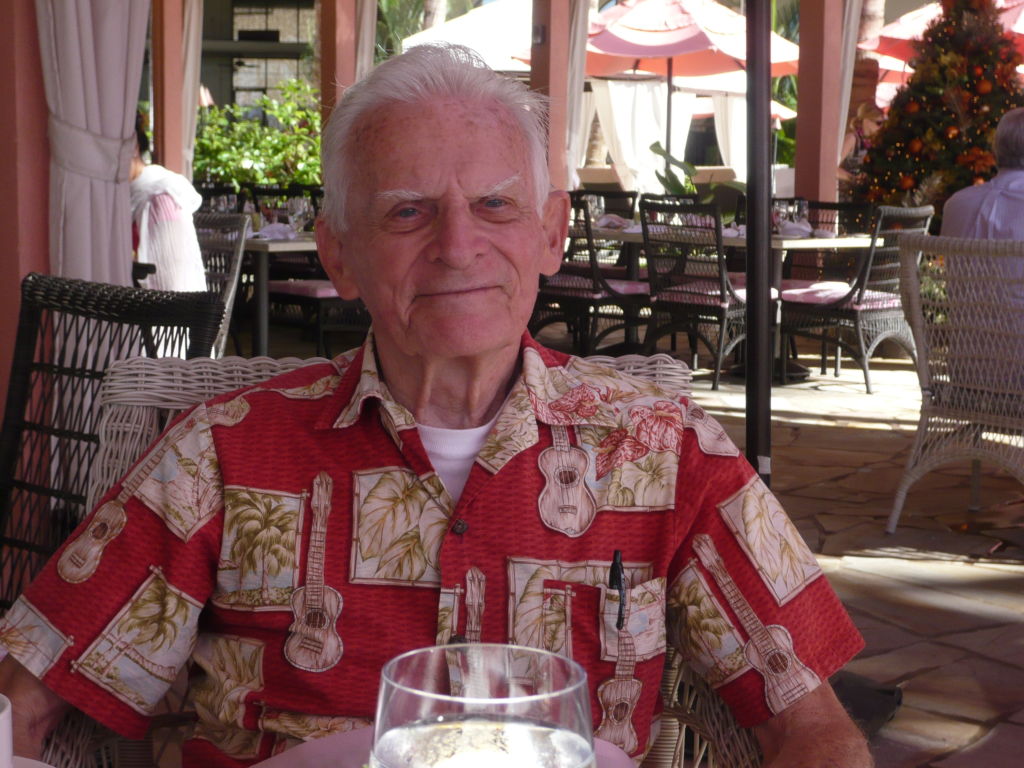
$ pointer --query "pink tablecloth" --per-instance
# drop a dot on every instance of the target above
(352, 749)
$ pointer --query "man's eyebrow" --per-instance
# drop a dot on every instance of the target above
(399, 195)
(502, 185)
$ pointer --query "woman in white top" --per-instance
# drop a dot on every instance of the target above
(162, 230)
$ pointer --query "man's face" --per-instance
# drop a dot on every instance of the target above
(444, 242)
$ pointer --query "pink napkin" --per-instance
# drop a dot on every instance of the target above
(351, 749)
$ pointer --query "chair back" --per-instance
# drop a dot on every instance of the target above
(685, 258)
(69, 331)
(222, 244)
(667, 197)
(964, 302)
(620, 202)
(587, 257)
(878, 278)
(218, 197)
(842, 218)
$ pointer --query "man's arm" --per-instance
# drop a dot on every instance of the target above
(36, 709)
(815, 732)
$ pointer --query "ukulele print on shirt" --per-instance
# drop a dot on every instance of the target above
(313, 642)
(769, 649)
(566, 504)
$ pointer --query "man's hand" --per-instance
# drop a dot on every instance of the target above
(815, 732)
(36, 709)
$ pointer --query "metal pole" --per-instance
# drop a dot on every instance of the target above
(668, 120)
(760, 311)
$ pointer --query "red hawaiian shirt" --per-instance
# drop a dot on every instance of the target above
(288, 539)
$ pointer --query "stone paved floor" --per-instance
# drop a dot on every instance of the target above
(941, 602)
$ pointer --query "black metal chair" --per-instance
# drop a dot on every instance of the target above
(621, 203)
(691, 290)
(592, 294)
(68, 333)
(856, 310)
(222, 244)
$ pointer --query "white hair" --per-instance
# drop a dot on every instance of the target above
(424, 74)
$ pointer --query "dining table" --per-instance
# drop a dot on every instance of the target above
(261, 250)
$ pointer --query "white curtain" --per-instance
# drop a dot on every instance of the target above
(91, 53)
(731, 130)
(576, 133)
(192, 48)
(632, 116)
(578, 146)
(851, 29)
(366, 36)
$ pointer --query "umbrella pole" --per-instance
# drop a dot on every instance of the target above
(668, 120)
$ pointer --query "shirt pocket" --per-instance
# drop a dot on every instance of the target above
(624, 667)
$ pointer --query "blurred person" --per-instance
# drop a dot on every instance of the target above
(863, 127)
(162, 230)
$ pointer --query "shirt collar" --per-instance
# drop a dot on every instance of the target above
(548, 381)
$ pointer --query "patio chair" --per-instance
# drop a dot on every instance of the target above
(222, 244)
(691, 289)
(140, 396)
(964, 301)
(590, 293)
(620, 202)
(858, 312)
(69, 331)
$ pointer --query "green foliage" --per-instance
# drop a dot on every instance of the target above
(396, 20)
(670, 179)
(277, 141)
(937, 138)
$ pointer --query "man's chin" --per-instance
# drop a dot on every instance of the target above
(461, 336)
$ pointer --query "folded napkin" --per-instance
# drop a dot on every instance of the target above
(612, 221)
(633, 228)
(277, 231)
(738, 230)
(801, 228)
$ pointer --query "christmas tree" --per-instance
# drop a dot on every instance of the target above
(938, 135)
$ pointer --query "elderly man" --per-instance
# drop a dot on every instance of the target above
(450, 480)
(993, 210)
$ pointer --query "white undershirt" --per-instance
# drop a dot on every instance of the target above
(452, 452)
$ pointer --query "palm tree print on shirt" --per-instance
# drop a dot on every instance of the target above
(232, 668)
(139, 653)
(257, 569)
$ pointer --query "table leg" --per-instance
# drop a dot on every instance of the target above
(260, 320)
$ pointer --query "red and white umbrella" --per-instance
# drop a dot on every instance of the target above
(897, 38)
(684, 37)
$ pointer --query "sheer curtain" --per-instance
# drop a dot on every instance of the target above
(577, 122)
(731, 130)
(91, 52)
(851, 29)
(192, 47)
(366, 36)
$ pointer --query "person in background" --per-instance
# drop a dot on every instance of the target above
(162, 231)
(863, 127)
(451, 480)
(993, 210)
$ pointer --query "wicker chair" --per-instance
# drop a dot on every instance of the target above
(139, 396)
(69, 331)
(222, 243)
(691, 289)
(857, 313)
(590, 294)
(964, 300)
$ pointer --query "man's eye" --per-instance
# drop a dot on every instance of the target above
(495, 202)
(407, 212)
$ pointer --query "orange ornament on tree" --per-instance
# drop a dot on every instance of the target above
(983, 86)
(978, 70)
(952, 132)
(915, 145)
(907, 182)
(912, 107)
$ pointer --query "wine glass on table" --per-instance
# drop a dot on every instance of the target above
(479, 704)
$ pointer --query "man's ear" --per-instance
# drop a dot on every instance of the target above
(332, 255)
(555, 219)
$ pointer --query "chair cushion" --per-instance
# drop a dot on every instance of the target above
(308, 289)
(829, 292)
(582, 287)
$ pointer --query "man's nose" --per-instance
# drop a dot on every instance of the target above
(459, 239)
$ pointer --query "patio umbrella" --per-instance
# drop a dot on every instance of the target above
(677, 37)
(897, 38)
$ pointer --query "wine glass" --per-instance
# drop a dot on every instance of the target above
(481, 704)
(300, 213)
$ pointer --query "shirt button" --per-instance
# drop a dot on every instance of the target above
(460, 526)
(457, 639)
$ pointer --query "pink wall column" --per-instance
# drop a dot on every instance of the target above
(168, 82)
(818, 118)
(549, 74)
(24, 167)
(337, 49)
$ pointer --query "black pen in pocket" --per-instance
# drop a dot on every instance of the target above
(617, 581)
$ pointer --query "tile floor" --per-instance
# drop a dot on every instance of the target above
(940, 602)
